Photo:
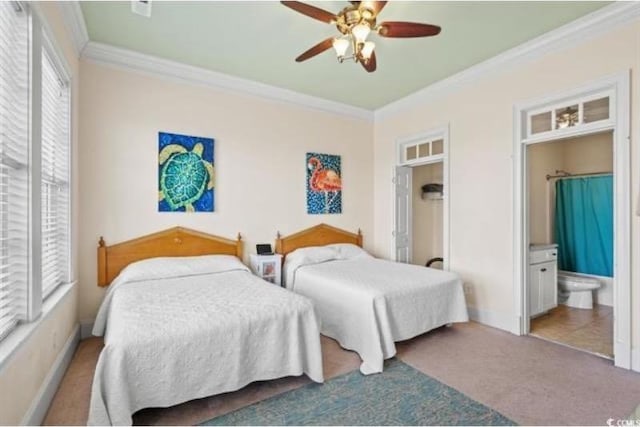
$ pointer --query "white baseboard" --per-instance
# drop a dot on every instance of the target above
(40, 404)
(635, 359)
(86, 326)
(495, 320)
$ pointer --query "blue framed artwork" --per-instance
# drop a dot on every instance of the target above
(185, 173)
(324, 184)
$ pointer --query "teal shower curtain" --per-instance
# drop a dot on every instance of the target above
(584, 225)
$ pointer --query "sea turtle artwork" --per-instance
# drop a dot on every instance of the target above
(324, 184)
(185, 173)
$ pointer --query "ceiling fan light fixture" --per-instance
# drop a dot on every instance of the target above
(360, 32)
(355, 23)
(367, 50)
(569, 117)
(340, 46)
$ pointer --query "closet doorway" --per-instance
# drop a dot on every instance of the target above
(421, 194)
(602, 107)
(427, 203)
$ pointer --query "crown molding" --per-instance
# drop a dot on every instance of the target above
(578, 31)
(74, 20)
(176, 71)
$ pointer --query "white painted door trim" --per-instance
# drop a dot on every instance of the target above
(619, 122)
(441, 132)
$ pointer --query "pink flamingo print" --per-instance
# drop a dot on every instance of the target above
(324, 180)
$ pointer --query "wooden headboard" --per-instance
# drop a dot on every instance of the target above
(318, 235)
(173, 242)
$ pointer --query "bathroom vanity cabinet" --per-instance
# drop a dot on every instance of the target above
(543, 279)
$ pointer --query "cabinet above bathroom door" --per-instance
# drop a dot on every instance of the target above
(543, 287)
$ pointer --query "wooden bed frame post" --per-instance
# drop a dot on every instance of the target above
(239, 246)
(278, 243)
(102, 263)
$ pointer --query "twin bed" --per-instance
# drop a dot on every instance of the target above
(365, 303)
(183, 318)
(177, 329)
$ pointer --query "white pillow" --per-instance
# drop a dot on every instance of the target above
(170, 267)
(313, 255)
(349, 250)
(306, 256)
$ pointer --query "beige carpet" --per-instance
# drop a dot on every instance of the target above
(528, 380)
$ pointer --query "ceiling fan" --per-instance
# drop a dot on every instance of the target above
(355, 22)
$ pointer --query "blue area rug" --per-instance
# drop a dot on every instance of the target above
(401, 395)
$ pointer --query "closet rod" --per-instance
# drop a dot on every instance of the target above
(570, 175)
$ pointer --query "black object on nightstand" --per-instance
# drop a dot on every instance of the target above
(264, 249)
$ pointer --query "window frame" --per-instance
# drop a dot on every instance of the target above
(529, 135)
(42, 41)
(417, 141)
(17, 166)
(47, 44)
(62, 71)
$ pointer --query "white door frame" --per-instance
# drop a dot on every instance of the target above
(619, 123)
(441, 132)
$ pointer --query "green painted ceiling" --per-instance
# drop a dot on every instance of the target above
(259, 41)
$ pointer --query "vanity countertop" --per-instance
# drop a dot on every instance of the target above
(542, 247)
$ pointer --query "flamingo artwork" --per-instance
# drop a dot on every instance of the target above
(324, 184)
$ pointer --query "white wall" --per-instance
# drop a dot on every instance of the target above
(480, 118)
(543, 159)
(259, 154)
(427, 215)
(22, 376)
(589, 154)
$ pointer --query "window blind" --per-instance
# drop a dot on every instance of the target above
(55, 177)
(14, 164)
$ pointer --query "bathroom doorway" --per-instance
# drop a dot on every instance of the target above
(598, 107)
(570, 227)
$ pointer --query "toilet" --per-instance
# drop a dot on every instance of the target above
(577, 289)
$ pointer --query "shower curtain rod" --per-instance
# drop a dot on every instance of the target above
(569, 175)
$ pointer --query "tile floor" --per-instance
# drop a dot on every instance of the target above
(589, 330)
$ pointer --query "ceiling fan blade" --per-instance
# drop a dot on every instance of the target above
(371, 64)
(407, 29)
(311, 11)
(317, 49)
(379, 5)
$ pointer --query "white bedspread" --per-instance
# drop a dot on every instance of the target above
(367, 304)
(172, 340)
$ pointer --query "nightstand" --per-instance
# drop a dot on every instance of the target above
(268, 267)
